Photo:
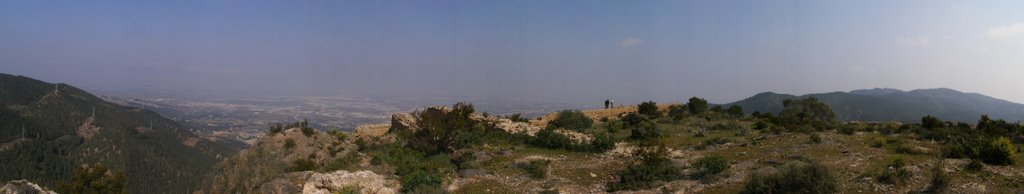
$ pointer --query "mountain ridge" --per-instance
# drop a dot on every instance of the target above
(887, 104)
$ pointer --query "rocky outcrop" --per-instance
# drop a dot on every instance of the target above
(403, 121)
(363, 181)
(22, 187)
(289, 183)
(508, 125)
(87, 130)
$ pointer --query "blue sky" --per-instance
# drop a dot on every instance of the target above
(545, 50)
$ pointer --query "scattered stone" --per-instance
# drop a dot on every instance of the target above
(468, 173)
(365, 181)
(23, 186)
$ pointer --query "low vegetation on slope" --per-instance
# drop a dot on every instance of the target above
(687, 148)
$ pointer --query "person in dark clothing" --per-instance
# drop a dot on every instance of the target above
(606, 103)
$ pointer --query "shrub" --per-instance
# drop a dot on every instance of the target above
(518, 118)
(93, 179)
(421, 181)
(440, 128)
(735, 110)
(807, 111)
(930, 122)
(548, 138)
(940, 179)
(711, 165)
(794, 178)
(350, 189)
(847, 129)
(649, 108)
(879, 142)
(417, 172)
(644, 132)
(342, 136)
(613, 126)
(302, 164)
(805, 129)
(712, 142)
(697, 105)
(276, 128)
(289, 144)
(907, 149)
(602, 142)
(308, 131)
(572, 120)
(633, 119)
(536, 168)
(975, 165)
(759, 125)
(677, 111)
(342, 163)
(815, 138)
(894, 173)
(652, 165)
(1000, 152)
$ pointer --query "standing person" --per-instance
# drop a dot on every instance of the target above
(611, 102)
(606, 103)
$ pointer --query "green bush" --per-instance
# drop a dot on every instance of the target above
(275, 129)
(759, 125)
(712, 142)
(440, 129)
(342, 163)
(633, 119)
(894, 173)
(572, 120)
(649, 108)
(735, 111)
(940, 179)
(548, 138)
(711, 165)
(289, 144)
(652, 165)
(342, 136)
(677, 111)
(847, 129)
(518, 118)
(613, 126)
(930, 122)
(815, 138)
(697, 105)
(975, 165)
(1000, 152)
(93, 179)
(417, 172)
(302, 164)
(878, 142)
(798, 177)
(536, 168)
(807, 111)
(644, 132)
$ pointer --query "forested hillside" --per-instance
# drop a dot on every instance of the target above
(47, 130)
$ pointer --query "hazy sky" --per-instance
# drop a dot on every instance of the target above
(522, 49)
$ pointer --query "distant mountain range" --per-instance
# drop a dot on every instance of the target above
(886, 104)
(46, 130)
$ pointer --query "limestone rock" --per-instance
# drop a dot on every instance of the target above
(365, 181)
(403, 121)
(22, 187)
